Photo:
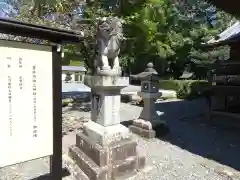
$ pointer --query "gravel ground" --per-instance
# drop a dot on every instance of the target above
(167, 162)
(195, 149)
(74, 116)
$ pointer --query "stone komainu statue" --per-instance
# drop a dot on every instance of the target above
(108, 40)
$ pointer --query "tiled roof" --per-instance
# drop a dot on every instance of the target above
(227, 34)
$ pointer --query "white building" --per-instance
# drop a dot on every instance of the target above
(77, 73)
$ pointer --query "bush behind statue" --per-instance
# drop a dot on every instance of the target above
(186, 89)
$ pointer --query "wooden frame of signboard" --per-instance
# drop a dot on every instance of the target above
(35, 52)
(56, 158)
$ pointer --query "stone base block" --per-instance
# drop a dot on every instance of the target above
(143, 128)
(102, 156)
(147, 133)
(93, 171)
(141, 161)
(115, 160)
(148, 129)
(75, 172)
(105, 135)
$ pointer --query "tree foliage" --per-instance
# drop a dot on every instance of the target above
(167, 32)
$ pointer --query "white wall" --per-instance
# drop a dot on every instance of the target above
(75, 77)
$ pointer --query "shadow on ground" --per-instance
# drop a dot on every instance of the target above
(211, 139)
(217, 139)
(65, 173)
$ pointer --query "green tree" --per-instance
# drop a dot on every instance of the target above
(173, 32)
(165, 32)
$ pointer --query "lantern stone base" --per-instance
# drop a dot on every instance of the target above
(106, 154)
(145, 128)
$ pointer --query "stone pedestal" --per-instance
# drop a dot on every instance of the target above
(106, 150)
(148, 120)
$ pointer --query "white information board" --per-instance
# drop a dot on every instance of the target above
(26, 108)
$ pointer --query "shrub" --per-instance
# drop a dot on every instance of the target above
(169, 84)
(186, 89)
(67, 101)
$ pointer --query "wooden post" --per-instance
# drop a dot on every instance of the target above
(56, 158)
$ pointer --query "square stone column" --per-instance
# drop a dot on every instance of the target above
(106, 150)
(149, 111)
(106, 106)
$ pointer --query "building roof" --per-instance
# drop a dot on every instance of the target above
(74, 68)
(229, 35)
(19, 28)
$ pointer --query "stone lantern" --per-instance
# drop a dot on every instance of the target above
(148, 120)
